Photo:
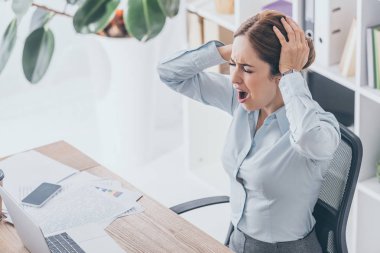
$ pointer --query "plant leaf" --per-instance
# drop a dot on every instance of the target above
(20, 7)
(94, 15)
(71, 1)
(169, 7)
(38, 50)
(75, 2)
(8, 42)
(144, 19)
(40, 18)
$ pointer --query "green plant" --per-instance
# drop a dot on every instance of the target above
(142, 19)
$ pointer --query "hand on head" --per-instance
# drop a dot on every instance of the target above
(295, 51)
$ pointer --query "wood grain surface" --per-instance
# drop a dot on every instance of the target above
(155, 230)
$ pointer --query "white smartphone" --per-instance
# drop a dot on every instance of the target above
(39, 196)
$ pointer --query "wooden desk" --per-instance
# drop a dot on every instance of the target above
(157, 229)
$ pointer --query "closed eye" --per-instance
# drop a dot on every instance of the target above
(244, 67)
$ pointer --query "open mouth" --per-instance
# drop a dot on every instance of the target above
(243, 95)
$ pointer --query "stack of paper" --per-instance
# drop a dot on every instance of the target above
(84, 198)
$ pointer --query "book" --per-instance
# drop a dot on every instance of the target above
(376, 55)
(281, 6)
(225, 6)
(370, 58)
(347, 62)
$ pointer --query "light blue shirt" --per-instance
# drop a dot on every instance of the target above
(275, 172)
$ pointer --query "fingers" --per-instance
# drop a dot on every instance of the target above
(280, 36)
(289, 30)
(296, 29)
(294, 32)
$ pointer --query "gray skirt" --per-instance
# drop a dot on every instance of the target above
(242, 243)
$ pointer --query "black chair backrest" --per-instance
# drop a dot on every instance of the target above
(333, 206)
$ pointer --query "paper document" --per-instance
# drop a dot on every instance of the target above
(30, 169)
(113, 188)
(80, 178)
(77, 206)
(109, 190)
(109, 187)
(137, 208)
(84, 198)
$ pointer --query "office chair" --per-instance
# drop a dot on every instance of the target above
(333, 205)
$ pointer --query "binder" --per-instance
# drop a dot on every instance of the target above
(309, 18)
(280, 5)
(332, 20)
(370, 58)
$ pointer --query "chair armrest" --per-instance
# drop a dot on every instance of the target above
(198, 203)
(194, 204)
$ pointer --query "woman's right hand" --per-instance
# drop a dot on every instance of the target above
(295, 51)
(225, 52)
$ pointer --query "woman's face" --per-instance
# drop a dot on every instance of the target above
(251, 77)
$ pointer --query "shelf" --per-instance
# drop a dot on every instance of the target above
(206, 9)
(333, 73)
(194, 5)
(351, 96)
(370, 187)
(371, 93)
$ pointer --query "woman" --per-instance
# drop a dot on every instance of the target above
(280, 140)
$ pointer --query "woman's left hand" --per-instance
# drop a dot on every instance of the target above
(295, 52)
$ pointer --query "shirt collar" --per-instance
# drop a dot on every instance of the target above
(282, 120)
(279, 114)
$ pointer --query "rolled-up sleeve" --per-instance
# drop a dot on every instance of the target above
(314, 133)
(184, 73)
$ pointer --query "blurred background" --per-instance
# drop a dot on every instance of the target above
(103, 96)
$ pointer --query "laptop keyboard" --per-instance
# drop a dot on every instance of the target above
(63, 243)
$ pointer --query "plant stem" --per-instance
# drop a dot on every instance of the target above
(51, 10)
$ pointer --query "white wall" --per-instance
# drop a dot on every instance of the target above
(103, 96)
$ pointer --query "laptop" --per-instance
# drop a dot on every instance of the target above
(89, 238)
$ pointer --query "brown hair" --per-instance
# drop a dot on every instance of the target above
(259, 30)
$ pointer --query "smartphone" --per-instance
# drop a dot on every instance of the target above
(39, 196)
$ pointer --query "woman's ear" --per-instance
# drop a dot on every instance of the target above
(277, 79)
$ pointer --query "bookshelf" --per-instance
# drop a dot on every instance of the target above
(364, 220)
(206, 9)
(370, 93)
(243, 10)
(334, 74)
